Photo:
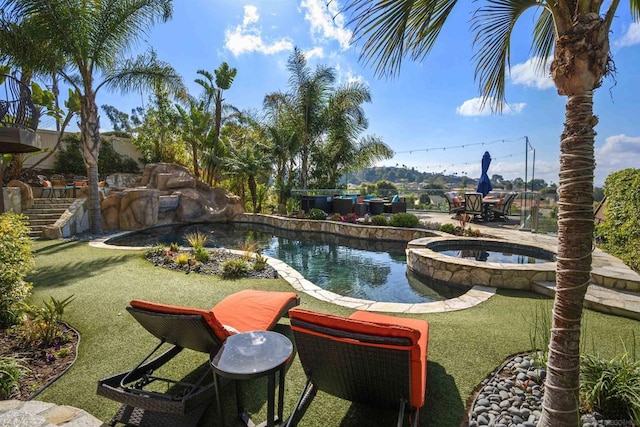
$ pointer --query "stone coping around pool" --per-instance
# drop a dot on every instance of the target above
(358, 231)
(469, 273)
(471, 298)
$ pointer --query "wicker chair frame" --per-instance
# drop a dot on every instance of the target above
(352, 370)
(185, 402)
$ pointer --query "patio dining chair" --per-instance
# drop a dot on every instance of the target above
(368, 358)
(503, 209)
(473, 205)
(192, 328)
(455, 205)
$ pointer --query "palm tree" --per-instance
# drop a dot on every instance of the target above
(309, 94)
(247, 160)
(342, 151)
(283, 143)
(577, 33)
(195, 124)
(213, 100)
(93, 37)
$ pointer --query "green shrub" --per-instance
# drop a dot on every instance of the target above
(11, 370)
(43, 327)
(182, 259)
(619, 234)
(234, 268)
(259, 262)
(448, 228)
(540, 332)
(611, 387)
(379, 220)
(201, 254)
(156, 250)
(16, 259)
(196, 239)
(317, 214)
(404, 219)
(351, 218)
(174, 247)
(69, 158)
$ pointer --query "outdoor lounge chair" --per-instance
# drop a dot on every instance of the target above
(368, 358)
(196, 329)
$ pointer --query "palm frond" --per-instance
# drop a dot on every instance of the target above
(544, 37)
(141, 73)
(493, 25)
(635, 9)
(390, 30)
(116, 25)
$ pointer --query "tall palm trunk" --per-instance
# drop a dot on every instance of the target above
(194, 150)
(90, 135)
(575, 231)
(253, 189)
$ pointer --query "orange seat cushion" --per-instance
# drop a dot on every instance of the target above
(215, 325)
(417, 331)
(244, 311)
(253, 310)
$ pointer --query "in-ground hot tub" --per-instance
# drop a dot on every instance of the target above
(488, 262)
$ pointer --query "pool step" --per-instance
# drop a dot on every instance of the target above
(599, 298)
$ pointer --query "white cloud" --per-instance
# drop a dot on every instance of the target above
(316, 52)
(632, 36)
(473, 107)
(327, 23)
(250, 15)
(345, 74)
(618, 152)
(529, 75)
(247, 37)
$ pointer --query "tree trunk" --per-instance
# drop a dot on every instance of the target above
(573, 271)
(253, 189)
(194, 149)
(90, 135)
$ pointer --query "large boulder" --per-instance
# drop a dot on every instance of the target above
(168, 193)
(26, 193)
(139, 208)
(110, 209)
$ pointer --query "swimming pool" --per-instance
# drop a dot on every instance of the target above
(359, 268)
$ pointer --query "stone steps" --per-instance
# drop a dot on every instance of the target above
(46, 212)
(600, 298)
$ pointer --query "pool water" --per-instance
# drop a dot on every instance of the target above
(358, 268)
(498, 256)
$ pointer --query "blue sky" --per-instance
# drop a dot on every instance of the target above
(427, 113)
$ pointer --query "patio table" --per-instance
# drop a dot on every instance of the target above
(487, 207)
(252, 355)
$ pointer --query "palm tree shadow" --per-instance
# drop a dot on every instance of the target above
(442, 403)
(63, 274)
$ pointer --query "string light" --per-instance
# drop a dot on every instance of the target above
(459, 146)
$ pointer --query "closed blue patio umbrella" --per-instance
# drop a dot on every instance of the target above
(484, 185)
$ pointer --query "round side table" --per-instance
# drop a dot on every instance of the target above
(252, 355)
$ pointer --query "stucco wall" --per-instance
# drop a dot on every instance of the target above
(48, 139)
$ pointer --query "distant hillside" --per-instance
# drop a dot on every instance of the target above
(411, 175)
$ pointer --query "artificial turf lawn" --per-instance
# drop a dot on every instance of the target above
(464, 346)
